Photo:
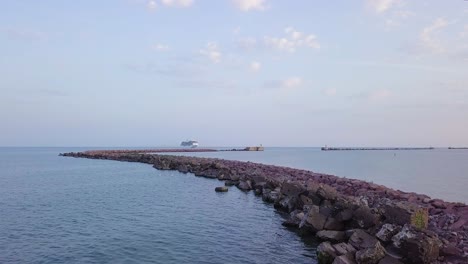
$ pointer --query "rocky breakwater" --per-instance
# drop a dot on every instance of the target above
(357, 221)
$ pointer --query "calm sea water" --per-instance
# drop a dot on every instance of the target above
(56, 210)
(65, 210)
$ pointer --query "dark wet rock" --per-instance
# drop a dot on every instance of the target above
(344, 215)
(325, 253)
(333, 224)
(221, 189)
(329, 235)
(360, 239)
(371, 255)
(389, 260)
(450, 250)
(344, 259)
(270, 196)
(287, 203)
(387, 231)
(230, 183)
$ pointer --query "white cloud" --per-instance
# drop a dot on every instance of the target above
(151, 5)
(330, 92)
(255, 66)
(160, 47)
(177, 3)
(247, 5)
(292, 82)
(427, 35)
(294, 39)
(381, 6)
(212, 52)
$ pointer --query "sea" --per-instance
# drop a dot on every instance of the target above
(66, 210)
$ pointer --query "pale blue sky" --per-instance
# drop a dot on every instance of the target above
(234, 72)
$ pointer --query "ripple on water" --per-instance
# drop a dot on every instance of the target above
(114, 212)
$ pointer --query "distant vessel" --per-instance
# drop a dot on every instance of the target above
(189, 143)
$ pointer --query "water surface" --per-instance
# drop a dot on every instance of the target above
(66, 210)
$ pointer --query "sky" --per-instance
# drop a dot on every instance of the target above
(234, 72)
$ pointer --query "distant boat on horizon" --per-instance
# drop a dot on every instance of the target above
(189, 143)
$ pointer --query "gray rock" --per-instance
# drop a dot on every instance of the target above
(362, 240)
(417, 246)
(344, 215)
(333, 236)
(245, 185)
(389, 260)
(288, 203)
(270, 196)
(325, 253)
(334, 224)
(292, 189)
(364, 217)
(370, 255)
(344, 248)
(230, 183)
(314, 220)
(387, 231)
(221, 189)
(326, 192)
(344, 259)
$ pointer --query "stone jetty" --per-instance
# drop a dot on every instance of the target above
(336, 149)
(357, 221)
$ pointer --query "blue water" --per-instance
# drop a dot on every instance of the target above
(66, 210)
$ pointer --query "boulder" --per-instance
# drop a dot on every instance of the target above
(326, 192)
(344, 259)
(288, 203)
(402, 213)
(325, 253)
(270, 196)
(344, 248)
(389, 260)
(417, 246)
(313, 219)
(245, 185)
(344, 215)
(360, 239)
(292, 189)
(221, 189)
(387, 231)
(371, 255)
(230, 183)
(333, 224)
(333, 236)
(364, 217)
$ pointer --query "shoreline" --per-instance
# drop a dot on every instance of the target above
(396, 226)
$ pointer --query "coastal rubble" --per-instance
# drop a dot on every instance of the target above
(358, 221)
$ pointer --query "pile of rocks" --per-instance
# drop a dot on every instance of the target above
(358, 222)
